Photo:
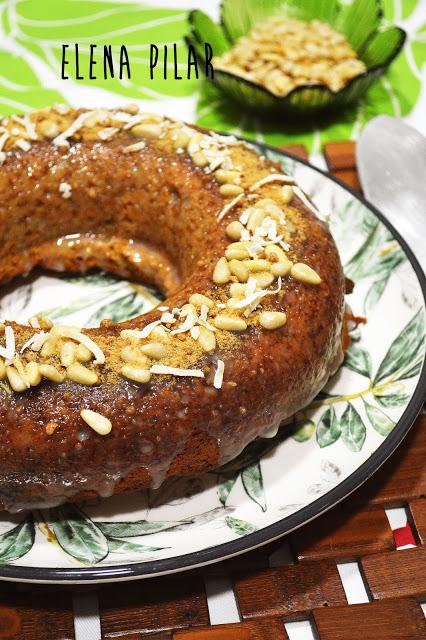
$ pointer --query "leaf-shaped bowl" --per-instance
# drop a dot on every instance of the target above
(376, 44)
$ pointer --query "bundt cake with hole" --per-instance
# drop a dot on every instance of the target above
(250, 330)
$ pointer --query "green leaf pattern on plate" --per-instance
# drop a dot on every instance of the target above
(328, 429)
(353, 428)
(379, 420)
(404, 350)
(238, 526)
(18, 541)
(359, 360)
(78, 535)
(253, 484)
(31, 34)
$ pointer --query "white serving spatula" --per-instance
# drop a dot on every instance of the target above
(391, 160)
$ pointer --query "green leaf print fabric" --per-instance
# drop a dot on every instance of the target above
(32, 33)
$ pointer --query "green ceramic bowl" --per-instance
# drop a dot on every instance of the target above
(376, 44)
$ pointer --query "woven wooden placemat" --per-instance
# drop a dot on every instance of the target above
(392, 564)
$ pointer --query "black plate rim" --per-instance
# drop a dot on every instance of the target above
(140, 570)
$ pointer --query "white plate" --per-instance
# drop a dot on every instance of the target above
(277, 484)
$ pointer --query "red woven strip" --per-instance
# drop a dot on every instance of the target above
(403, 536)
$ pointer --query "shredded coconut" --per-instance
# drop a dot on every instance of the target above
(149, 328)
(218, 376)
(253, 300)
(3, 139)
(65, 189)
(75, 334)
(168, 318)
(175, 371)
(28, 125)
(62, 139)
(137, 146)
(108, 133)
(35, 342)
(8, 351)
(229, 206)
(23, 144)
(273, 177)
(190, 321)
(195, 332)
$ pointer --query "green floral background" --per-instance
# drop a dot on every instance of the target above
(31, 34)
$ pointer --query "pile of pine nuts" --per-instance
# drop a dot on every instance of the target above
(281, 54)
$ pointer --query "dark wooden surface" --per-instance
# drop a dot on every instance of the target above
(269, 596)
(344, 535)
(290, 591)
(400, 619)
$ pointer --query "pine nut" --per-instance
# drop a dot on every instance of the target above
(188, 309)
(270, 208)
(129, 354)
(48, 128)
(67, 353)
(287, 193)
(181, 140)
(198, 299)
(234, 230)
(49, 347)
(40, 322)
(230, 190)
(237, 290)
(33, 373)
(131, 108)
(194, 142)
(153, 117)
(229, 323)
(199, 159)
(305, 274)
(239, 270)
(272, 319)
(227, 176)
(137, 374)
(263, 279)
(83, 354)
(236, 251)
(131, 334)
(221, 273)
(160, 334)
(96, 421)
(274, 253)
(99, 116)
(279, 269)
(51, 373)
(207, 339)
(155, 350)
(255, 220)
(145, 130)
(15, 379)
(2, 369)
(258, 265)
(61, 108)
(79, 373)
